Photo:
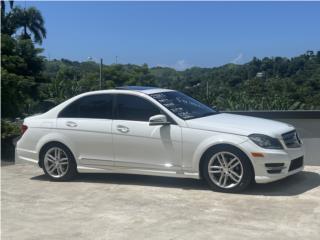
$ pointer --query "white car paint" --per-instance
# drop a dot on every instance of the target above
(240, 125)
(174, 150)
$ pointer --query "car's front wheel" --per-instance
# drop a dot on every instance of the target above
(227, 169)
(58, 162)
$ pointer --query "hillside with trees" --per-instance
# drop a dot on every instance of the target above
(30, 83)
(261, 84)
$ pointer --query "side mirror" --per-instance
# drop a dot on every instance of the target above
(158, 120)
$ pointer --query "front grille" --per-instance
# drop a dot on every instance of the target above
(296, 163)
(291, 139)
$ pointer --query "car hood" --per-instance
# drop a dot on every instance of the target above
(241, 125)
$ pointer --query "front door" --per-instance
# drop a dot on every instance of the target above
(138, 145)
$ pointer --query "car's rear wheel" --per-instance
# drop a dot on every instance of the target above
(227, 169)
(58, 162)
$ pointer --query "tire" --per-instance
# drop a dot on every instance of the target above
(230, 169)
(58, 162)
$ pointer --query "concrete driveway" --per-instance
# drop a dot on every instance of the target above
(115, 206)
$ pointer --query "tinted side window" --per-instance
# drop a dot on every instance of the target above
(93, 106)
(135, 108)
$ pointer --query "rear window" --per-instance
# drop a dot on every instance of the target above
(97, 106)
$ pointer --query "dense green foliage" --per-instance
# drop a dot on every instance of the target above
(21, 63)
(67, 78)
(267, 84)
(21, 66)
(9, 129)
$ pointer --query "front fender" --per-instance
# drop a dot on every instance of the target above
(234, 140)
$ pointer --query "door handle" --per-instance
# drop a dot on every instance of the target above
(71, 124)
(122, 129)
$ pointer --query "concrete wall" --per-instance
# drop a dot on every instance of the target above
(307, 124)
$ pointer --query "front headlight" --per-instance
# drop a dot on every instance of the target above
(265, 141)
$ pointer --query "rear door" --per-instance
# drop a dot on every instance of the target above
(86, 124)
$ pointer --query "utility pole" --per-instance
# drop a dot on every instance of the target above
(101, 62)
(207, 90)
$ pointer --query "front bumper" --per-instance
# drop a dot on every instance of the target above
(276, 164)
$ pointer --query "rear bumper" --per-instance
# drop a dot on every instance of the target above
(26, 155)
(276, 164)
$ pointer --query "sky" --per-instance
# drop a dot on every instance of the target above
(179, 34)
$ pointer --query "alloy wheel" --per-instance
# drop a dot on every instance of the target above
(225, 169)
(56, 162)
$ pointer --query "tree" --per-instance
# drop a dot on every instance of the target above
(21, 68)
(7, 25)
(31, 22)
(3, 7)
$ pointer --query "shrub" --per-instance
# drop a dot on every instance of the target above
(9, 129)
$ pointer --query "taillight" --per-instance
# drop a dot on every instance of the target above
(23, 129)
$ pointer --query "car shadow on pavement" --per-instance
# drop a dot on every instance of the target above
(290, 186)
(132, 179)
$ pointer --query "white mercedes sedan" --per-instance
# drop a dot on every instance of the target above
(144, 130)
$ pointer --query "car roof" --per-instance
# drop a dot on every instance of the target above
(135, 88)
(143, 89)
(127, 89)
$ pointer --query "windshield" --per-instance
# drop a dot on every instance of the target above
(182, 105)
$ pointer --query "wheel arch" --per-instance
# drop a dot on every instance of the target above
(215, 147)
(54, 138)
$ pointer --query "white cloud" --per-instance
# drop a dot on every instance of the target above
(238, 59)
(180, 65)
